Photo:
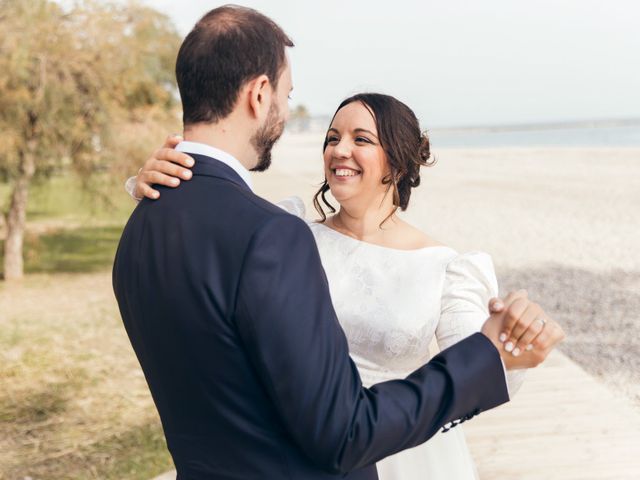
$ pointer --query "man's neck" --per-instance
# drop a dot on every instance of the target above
(224, 137)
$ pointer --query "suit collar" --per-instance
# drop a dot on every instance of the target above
(212, 152)
(212, 167)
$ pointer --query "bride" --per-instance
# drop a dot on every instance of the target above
(394, 288)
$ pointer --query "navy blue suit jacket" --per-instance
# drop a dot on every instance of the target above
(227, 307)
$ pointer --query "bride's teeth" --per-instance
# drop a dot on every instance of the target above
(343, 172)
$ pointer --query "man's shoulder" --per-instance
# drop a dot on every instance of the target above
(254, 210)
(275, 221)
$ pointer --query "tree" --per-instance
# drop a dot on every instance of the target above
(300, 112)
(299, 119)
(67, 78)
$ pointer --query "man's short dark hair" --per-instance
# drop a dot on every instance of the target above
(229, 46)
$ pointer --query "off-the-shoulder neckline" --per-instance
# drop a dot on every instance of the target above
(369, 244)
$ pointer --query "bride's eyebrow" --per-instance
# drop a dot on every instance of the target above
(365, 130)
(334, 130)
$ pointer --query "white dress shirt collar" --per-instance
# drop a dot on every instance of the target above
(213, 152)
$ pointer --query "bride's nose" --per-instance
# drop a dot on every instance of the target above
(341, 150)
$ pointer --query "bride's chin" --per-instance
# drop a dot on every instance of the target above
(340, 193)
(345, 198)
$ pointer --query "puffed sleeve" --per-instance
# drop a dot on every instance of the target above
(470, 281)
(293, 205)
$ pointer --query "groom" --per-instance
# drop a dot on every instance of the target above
(228, 309)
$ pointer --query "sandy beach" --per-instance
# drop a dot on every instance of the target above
(561, 222)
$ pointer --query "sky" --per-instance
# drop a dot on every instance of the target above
(459, 63)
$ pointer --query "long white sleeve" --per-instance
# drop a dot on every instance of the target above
(130, 187)
(470, 281)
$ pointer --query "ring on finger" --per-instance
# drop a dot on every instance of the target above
(542, 321)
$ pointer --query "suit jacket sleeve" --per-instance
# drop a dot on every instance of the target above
(287, 323)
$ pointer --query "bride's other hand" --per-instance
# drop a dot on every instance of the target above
(521, 330)
(527, 326)
(165, 167)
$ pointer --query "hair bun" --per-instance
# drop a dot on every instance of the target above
(424, 150)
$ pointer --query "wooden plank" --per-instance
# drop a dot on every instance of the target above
(562, 425)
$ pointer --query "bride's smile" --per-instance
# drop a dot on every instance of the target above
(341, 172)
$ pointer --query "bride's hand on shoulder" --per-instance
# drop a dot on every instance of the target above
(521, 330)
(166, 166)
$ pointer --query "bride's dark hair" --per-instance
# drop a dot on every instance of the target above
(405, 145)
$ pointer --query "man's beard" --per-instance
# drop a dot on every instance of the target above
(266, 137)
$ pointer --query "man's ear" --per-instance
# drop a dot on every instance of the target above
(260, 93)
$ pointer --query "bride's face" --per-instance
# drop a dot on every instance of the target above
(354, 161)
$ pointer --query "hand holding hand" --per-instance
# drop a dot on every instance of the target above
(521, 331)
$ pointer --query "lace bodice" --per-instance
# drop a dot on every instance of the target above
(391, 303)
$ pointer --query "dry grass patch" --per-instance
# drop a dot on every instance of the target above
(73, 401)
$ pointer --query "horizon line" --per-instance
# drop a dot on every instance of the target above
(537, 125)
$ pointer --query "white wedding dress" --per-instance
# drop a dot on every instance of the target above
(391, 303)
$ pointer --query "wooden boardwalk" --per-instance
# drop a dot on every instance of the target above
(562, 425)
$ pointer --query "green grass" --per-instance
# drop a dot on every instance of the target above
(83, 249)
(63, 197)
(70, 229)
